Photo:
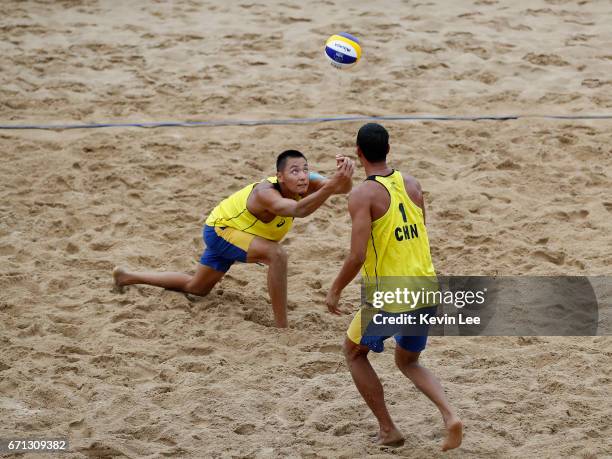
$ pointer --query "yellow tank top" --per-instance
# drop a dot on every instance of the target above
(398, 248)
(233, 212)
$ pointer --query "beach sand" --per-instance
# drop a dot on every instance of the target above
(153, 373)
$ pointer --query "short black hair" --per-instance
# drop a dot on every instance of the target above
(373, 140)
(282, 158)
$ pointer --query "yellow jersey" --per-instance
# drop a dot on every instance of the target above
(232, 212)
(398, 248)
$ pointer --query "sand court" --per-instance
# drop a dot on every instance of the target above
(151, 372)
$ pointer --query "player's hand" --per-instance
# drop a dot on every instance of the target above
(342, 179)
(331, 301)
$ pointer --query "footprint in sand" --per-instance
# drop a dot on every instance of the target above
(126, 315)
(573, 216)
(345, 429)
(99, 449)
(137, 329)
(545, 59)
(67, 350)
(258, 317)
(245, 429)
(557, 258)
(309, 370)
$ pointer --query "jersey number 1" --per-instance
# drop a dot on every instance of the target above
(403, 211)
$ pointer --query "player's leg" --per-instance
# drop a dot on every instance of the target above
(371, 390)
(214, 263)
(424, 380)
(272, 254)
(200, 283)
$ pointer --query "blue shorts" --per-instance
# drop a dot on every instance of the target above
(224, 246)
(366, 334)
(408, 343)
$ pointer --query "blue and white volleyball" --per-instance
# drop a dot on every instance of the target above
(343, 50)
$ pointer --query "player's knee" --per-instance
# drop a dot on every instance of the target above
(406, 359)
(195, 289)
(278, 254)
(352, 351)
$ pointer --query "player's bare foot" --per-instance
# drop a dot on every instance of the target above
(119, 277)
(454, 434)
(390, 438)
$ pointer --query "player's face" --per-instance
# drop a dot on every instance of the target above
(295, 175)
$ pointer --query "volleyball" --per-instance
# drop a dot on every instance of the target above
(343, 50)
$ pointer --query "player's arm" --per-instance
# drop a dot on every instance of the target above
(317, 180)
(359, 208)
(274, 202)
(414, 190)
(421, 204)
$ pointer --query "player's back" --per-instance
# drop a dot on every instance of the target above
(398, 244)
